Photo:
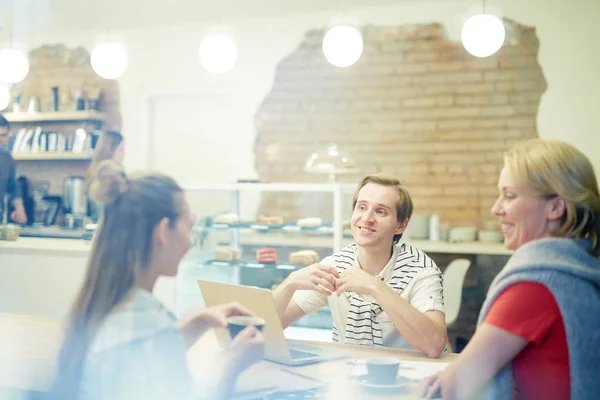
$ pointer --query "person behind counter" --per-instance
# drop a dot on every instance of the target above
(539, 328)
(8, 182)
(110, 146)
(380, 293)
(121, 342)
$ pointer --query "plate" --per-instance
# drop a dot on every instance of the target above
(400, 382)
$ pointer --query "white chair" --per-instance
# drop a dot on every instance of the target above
(454, 278)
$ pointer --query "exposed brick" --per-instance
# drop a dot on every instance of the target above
(416, 105)
(461, 191)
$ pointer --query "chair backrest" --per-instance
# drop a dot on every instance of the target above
(454, 278)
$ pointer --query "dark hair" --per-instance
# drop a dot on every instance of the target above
(121, 250)
(404, 206)
(4, 122)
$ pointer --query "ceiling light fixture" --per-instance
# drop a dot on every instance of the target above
(14, 65)
(342, 45)
(218, 53)
(109, 60)
(483, 34)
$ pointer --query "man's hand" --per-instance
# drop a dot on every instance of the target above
(18, 215)
(356, 280)
(318, 277)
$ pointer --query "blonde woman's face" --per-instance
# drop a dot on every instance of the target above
(524, 215)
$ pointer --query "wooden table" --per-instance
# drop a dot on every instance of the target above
(29, 346)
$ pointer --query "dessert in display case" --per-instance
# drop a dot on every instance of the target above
(331, 161)
(235, 243)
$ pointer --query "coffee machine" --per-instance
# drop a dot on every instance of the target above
(75, 202)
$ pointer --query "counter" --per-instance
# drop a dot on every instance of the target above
(36, 245)
(428, 246)
(41, 276)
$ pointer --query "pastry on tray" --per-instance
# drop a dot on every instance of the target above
(229, 219)
(227, 254)
(304, 257)
(270, 220)
(266, 255)
(310, 222)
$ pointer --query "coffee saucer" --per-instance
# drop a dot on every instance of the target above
(399, 382)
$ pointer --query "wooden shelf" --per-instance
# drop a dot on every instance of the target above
(52, 156)
(55, 116)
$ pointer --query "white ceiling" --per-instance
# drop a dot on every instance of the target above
(36, 16)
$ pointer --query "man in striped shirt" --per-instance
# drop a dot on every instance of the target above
(380, 293)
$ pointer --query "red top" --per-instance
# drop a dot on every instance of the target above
(541, 369)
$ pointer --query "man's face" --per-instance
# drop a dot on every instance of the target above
(3, 136)
(374, 220)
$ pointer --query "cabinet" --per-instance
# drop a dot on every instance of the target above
(247, 234)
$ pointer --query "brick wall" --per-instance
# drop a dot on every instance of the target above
(70, 69)
(416, 105)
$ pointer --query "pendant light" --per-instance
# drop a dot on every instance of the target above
(14, 65)
(218, 53)
(109, 60)
(342, 45)
(483, 34)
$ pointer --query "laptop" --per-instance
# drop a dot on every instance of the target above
(260, 302)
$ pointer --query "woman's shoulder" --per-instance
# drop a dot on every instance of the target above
(553, 250)
(140, 317)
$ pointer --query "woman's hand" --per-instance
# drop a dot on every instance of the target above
(431, 387)
(246, 348)
(212, 317)
(216, 317)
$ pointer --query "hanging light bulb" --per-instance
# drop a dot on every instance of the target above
(218, 53)
(4, 98)
(342, 45)
(14, 65)
(483, 35)
(109, 60)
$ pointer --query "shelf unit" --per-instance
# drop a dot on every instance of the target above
(200, 262)
(248, 264)
(235, 189)
(24, 117)
(48, 156)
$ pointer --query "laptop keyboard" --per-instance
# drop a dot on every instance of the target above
(298, 355)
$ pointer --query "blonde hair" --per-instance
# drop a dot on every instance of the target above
(553, 168)
(121, 250)
(404, 205)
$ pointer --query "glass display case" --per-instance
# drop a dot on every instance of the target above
(236, 241)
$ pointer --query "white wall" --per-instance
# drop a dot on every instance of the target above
(163, 62)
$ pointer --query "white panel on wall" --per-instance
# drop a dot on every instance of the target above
(191, 138)
(194, 138)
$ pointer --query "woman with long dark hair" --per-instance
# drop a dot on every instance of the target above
(121, 342)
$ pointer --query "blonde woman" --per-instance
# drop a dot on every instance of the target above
(121, 342)
(539, 328)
